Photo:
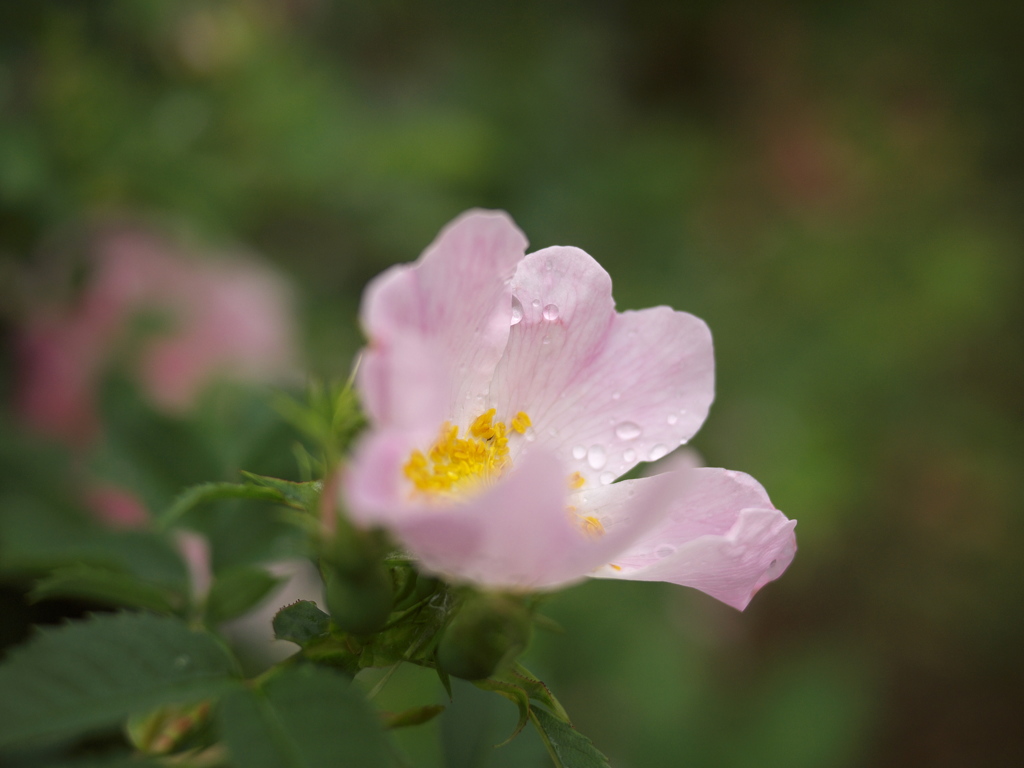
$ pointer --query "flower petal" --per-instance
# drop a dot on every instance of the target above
(454, 306)
(518, 534)
(722, 536)
(604, 390)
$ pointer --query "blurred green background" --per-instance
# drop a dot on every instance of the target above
(837, 189)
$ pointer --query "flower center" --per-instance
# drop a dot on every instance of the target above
(456, 464)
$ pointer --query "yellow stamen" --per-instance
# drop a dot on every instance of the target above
(616, 567)
(576, 481)
(456, 463)
(521, 422)
(592, 526)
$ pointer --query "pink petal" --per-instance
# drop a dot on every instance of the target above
(721, 535)
(518, 534)
(454, 304)
(603, 390)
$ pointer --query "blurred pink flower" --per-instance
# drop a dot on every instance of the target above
(506, 395)
(226, 317)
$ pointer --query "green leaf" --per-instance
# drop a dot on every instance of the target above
(513, 693)
(301, 622)
(302, 717)
(568, 747)
(538, 691)
(210, 492)
(236, 590)
(93, 674)
(414, 716)
(105, 586)
(304, 496)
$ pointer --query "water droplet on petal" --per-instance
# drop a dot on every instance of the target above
(664, 551)
(549, 265)
(530, 434)
(627, 430)
(596, 457)
(672, 418)
(550, 313)
(658, 451)
(616, 395)
(517, 311)
(545, 340)
(629, 456)
(535, 303)
(579, 451)
(607, 477)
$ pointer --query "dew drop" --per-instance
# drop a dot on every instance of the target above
(549, 265)
(535, 303)
(545, 340)
(607, 477)
(530, 434)
(629, 456)
(672, 418)
(579, 452)
(517, 311)
(596, 457)
(627, 430)
(658, 451)
(664, 551)
(616, 395)
(181, 662)
(550, 313)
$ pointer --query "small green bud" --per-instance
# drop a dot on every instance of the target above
(359, 601)
(487, 631)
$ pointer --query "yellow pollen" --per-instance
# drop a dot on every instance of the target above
(616, 567)
(455, 464)
(592, 526)
(521, 422)
(576, 481)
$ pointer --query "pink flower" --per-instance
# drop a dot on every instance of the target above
(506, 395)
(228, 317)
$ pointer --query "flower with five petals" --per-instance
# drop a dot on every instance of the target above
(506, 395)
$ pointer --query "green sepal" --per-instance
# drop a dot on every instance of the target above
(237, 590)
(538, 691)
(301, 623)
(414, 716)
(107, 586)
(567, 747)
(514, 693)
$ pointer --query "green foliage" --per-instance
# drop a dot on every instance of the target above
(303, 716)
(567, 746)
(106, 586)
(207, 493)
(93, 674)
(301, 622)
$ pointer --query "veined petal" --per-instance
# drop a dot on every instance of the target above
(604, 390)
(454, 304)
(721, 535)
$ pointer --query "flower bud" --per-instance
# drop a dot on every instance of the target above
(488, 630)
(359, 601)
